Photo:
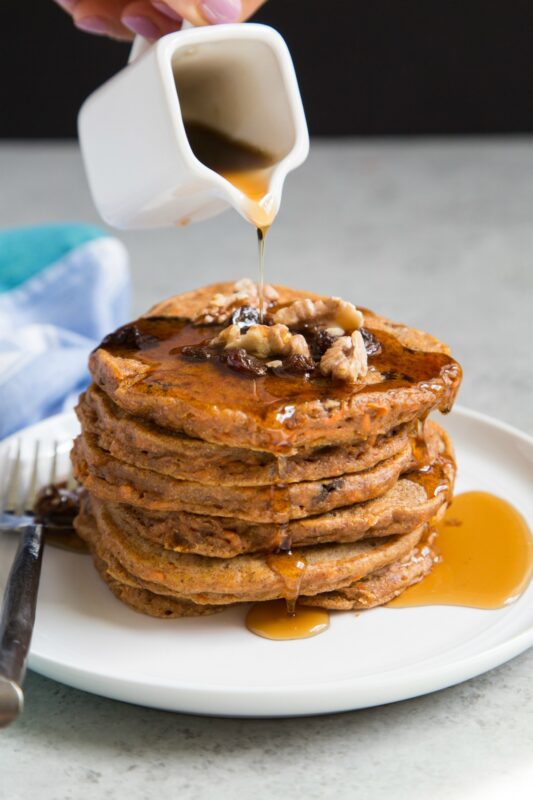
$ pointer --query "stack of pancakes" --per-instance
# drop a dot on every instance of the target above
(208, 484)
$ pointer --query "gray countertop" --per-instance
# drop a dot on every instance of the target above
(436, 233)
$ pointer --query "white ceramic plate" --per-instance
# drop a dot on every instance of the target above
(86, 638)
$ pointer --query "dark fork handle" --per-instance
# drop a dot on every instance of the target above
(16, 622)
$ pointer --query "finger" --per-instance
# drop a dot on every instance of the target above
(186, 9)
(101, 16)
(207, 12)
(249, 7)
(166, 10)
(143, 18)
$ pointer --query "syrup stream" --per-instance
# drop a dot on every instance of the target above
(247, 168)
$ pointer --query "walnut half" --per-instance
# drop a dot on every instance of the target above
(346, 359)
(263, 340)
(332, 311)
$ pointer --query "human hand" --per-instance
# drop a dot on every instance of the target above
(122, 19)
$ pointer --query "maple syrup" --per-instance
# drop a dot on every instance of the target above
(55, 507)
(419, 448)
(272, 399)
(261, 235)
(289, 565)
(291, 568)
(247, 168)
(432, 478)
(271, 621)
(64, 539)
(485, 556)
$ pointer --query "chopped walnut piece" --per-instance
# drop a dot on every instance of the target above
(333, 311)
(269, 293)
(251, 289)
(299, 312)
(346, 359)
(298, 346)
(245, 285)
(330, 404)
(263, 340)
(244, 292)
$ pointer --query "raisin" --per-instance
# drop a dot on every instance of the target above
(241, 361)
(297, 365)
(319, 341)
(244, 316)
(327, 488)
(130, 337)
(192, 353)
(332, 486)
(372, 345)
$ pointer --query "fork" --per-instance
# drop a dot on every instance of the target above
(17, 618)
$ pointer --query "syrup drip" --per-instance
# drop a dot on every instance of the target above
(271, 621)
(284, 619)
(290, 567)
(419, 448)
(432, 478)
(485, 556)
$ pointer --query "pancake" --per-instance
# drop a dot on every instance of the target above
(147, 602)
(411, 502)
(246, 578)
(139, 442)
(108, 478)
(382, 586)
(399, 510)
(374, 590)
(142, 369)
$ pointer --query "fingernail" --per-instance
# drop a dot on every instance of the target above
(94, 25)
(220, 11)
(167, 11)
(143, 26)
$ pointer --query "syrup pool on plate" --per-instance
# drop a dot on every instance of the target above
(271, 620)
(485, 556)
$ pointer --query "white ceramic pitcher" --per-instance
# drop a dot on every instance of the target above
(237, 79)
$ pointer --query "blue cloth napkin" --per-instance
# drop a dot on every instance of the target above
(62, 288)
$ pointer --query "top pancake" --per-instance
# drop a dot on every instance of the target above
(144, 374)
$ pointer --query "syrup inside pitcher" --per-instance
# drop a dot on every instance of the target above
(239, 118)
(248, 168)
